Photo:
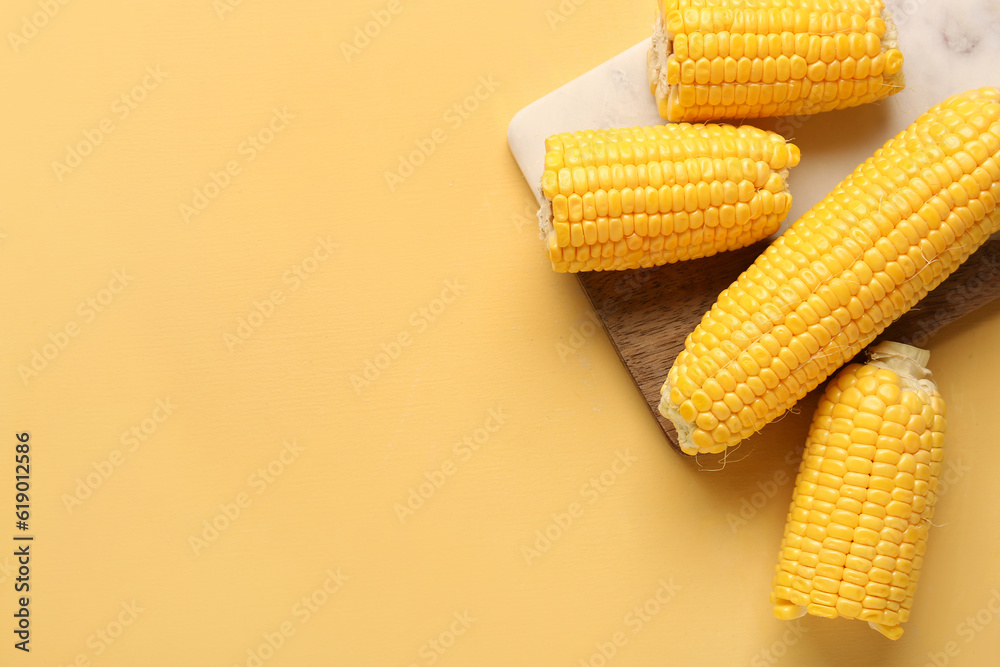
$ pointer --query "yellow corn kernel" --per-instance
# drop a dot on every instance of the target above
(734, 61)
(878, 578)
(659, 191)
(856, 274)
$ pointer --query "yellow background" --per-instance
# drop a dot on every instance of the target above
(657, 524)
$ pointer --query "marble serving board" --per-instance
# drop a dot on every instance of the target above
(948, 48)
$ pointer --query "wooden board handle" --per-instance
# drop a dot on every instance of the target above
(974, 284)
(649, 312)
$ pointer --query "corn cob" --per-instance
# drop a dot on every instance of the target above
(865, 494)
(646, 196)
(887, 235)
(746, 59)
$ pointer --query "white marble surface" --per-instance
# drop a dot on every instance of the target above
(949, 46)
(613, 94)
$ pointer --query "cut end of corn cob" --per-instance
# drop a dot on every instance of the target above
(711, 60)
(886, 236)
(646, 196)
(865, 494)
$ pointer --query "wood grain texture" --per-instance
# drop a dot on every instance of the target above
(648, 313)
